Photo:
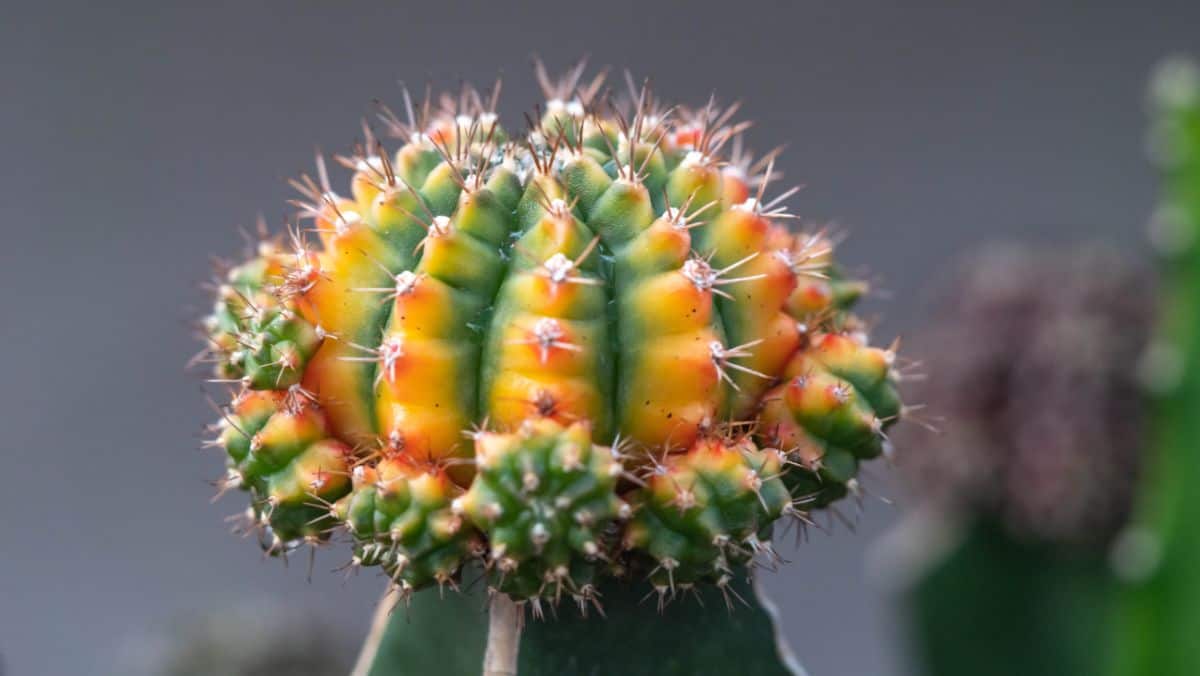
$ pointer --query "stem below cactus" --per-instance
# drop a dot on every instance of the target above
(450, 636)
(379, 624)
(504, 637)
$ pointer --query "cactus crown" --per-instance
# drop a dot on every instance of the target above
(592, 348)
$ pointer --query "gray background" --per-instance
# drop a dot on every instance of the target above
(134, 138)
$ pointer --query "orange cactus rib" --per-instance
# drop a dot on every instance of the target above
(338, 301)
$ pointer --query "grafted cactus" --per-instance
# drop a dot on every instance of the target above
(591, 350)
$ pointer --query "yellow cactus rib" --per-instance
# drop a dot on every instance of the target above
(752, 313)
(670, 385)
(547, 353)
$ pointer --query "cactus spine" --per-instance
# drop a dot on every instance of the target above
(589, 350)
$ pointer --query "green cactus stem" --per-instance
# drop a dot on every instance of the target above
(1159, 615)
(450, 636)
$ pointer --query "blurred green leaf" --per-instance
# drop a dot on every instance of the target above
(1158, 622)
(999, 607)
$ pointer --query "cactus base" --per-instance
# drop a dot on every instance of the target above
(448, 636)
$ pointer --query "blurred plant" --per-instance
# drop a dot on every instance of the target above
(583, 356)
(249, 640)
(1158, 618)
(1033, 473)
(1054, 400)
(1033, 352)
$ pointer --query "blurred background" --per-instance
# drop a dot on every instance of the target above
(137, 136)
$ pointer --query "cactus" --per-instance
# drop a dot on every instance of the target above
(256, 337)
(448, 636)
(399, 514)
(1159, 609)
(1044, 415)
(589, 351)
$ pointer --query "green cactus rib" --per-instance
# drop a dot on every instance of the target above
(401, 519)
(544, 497)
(1159, 614)
(707, 513)
(266, 344)
(832, 436)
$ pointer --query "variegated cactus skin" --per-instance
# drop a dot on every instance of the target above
(592, 348)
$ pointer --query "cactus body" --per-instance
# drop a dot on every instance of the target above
(448, 635)
(1005, 564)
(491, 316)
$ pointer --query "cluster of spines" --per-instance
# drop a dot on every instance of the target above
(545, 496)
(399, 515)
(255, 335)
(604, 269)
(707, 512)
